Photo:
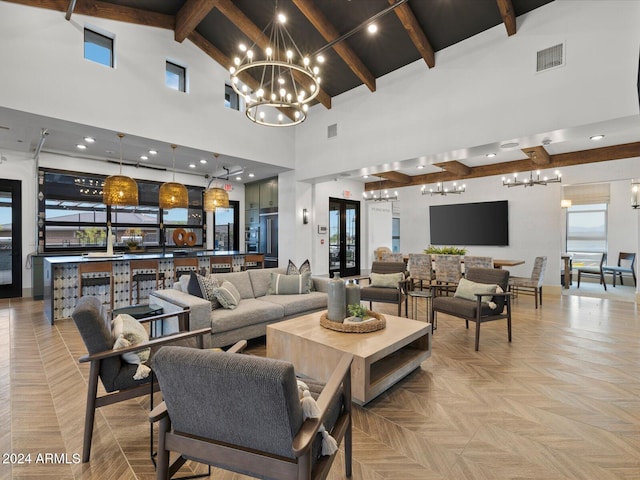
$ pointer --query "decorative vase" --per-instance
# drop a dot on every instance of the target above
(336, 299)
(352, 293)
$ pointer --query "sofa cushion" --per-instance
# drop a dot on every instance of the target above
(289, 284)
(203, 287)
(228, 295)
(240, 280)
(304, 268)
(249, 312)
(260, 279)
(295, 304)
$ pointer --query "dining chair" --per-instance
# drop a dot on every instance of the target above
(594, 271)
(421, 269)
(626, 262)
(533, 283)
(471, 261)
(448, 271)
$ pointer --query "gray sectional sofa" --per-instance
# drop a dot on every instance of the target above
(250, 318)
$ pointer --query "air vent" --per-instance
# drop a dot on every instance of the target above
(332, 130)
(551, 57)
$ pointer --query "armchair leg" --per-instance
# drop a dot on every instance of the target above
(92, 391)
(478, 333)
(162, 470)
(578, 278)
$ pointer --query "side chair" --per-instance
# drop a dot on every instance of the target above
(626, 262)
(243, 413)
(594, 272)
(532, 284)
(107, 365)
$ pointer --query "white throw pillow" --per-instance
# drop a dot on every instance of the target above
(386, 280)
(467, 290)
(127, 331)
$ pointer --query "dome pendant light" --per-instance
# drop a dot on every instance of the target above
(173, 194)
(119, 189)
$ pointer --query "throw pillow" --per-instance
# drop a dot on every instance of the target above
(127, 331)
(289, 284)
(466, 289)
(203, 287)
(304, 268)
(228, 295)
(386, 280)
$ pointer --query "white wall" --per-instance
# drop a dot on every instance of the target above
(484, 90)
(44, 72)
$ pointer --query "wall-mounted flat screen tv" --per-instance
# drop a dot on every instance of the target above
(483, 223)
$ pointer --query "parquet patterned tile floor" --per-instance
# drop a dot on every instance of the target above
(561, 402)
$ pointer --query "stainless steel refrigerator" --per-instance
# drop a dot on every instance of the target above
(269, 238)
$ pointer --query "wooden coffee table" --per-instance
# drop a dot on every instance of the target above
(381, 358)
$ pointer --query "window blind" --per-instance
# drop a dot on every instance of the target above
(592, 193)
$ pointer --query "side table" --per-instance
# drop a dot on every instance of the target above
(141, 311)
(414, 295)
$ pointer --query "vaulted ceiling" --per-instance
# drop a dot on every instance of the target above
(408, 30)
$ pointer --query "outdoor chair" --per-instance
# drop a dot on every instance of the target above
(594, 272)
(626, 263)
(243, 413)
(106, 363)
(388, 283)
(533, 283)
(473, 304)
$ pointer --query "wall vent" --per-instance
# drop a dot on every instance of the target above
(551, 57)
(332, 130)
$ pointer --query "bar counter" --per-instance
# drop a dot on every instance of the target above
(61, 278)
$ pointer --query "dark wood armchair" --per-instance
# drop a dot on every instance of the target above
(477, 310)
(243, 413)
(391, 293)
(107, 365)
(594, 272)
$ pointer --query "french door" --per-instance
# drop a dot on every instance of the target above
(10, 239)
(344, 237)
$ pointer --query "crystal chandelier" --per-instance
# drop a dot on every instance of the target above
(442, 189)
(173, 194)
(120, 189)
(532, 180)
(287, 81)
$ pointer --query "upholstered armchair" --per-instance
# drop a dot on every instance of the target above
(388, 283)
(477, 300)
(244, 413)
(106, 363)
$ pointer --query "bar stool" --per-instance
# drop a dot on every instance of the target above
(253, 261)
(90, 268)
(221, 263)
(144, 276)
(181, 265)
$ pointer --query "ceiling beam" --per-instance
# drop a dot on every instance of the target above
(251, 30)
(397, 177)
(583, 157)
(455, 167)
(106, 10)
(538, 155)
(416, 34)
(190, 15)
(508, 16)
(329, 32)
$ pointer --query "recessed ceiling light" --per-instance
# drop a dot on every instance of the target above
(238, 178)
(509, 145)
(144, 157)
(420, 167)
(153, 152)
(89, 139)
(595, 138)
(81, 146)
(365, 176)
(491, 155)
(372, 28)
(251, 175)
(192, 165)
(203, 161)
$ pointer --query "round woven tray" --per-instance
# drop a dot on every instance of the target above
(364, 327)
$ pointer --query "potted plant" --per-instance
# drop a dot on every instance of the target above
(445, 250)
(358, 312)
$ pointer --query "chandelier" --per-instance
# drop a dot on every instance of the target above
(532, 180)
(173, 194)
(120, 189)
(442, 189)
(215, 197)
(287, 81)
(381, 196)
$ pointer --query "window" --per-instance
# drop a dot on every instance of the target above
(231, 99)
(587, 233)
(98, 48)
(73, 216)
(175, 77)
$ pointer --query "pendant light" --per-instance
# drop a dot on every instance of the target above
(173, 194)
(215, 197)
(120, 189)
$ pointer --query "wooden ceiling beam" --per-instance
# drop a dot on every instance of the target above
(190, 15)
(508, 15)
(416, 34)
(583, 157)
(455, 167)
(251, 30)
(330, 33)
(538, 155)
(397, 177)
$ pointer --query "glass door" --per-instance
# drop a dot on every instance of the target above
(10, 239)
(225, 227)
(344, 237)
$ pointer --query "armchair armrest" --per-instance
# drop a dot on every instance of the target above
(341, 375)
(238, 347)
(158, 413)
(156, 342)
